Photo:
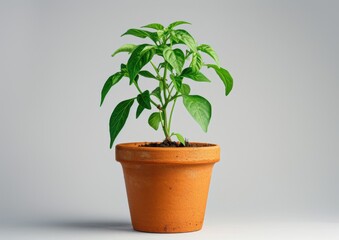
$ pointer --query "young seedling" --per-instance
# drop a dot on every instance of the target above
(181, 59)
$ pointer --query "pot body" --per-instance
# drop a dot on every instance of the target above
(167, 188)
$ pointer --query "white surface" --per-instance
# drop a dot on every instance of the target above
(215, 229)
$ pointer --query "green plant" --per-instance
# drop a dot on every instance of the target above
(174, 67)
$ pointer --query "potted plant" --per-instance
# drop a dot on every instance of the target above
(167, 182)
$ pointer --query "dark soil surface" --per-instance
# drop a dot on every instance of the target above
(167, 143)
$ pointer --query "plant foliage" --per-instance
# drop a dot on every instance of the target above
(181, 62)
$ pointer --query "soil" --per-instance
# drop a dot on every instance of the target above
(167, 143)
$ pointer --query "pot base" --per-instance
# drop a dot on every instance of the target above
(168, 229)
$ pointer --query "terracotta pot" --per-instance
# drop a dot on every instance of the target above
(167, 188)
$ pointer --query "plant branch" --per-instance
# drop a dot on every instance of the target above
(174, 97)
(156, 70)
(170, 92)
(164, 83)
(171, 99)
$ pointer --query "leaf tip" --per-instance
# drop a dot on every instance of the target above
(227, 92)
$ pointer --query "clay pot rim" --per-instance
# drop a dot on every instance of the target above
(133, 153)
(132, 145)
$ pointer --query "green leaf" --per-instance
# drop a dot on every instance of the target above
(200, 109)
(118, 118)
(123, 68)
(196, 76)
(157, 92)
(147, 74)
(177, 81)
(144, 99)
(156, 26)
(125, 48)
(209, 50)
(185, 89)
(147, 48)
(177, 23)
(111, 81)
(139, 110)
(154, 120)
(180, 58)
(175, 58)
(196, 63)
(225, 77)
(159, 50)
(142, 34)
(186, 38)
(180, 138)
(138, 59)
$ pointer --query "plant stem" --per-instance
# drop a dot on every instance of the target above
(162, 123)
(166, 125)
(170, 119)
(167, 135)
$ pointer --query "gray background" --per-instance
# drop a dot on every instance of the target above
(278, 129)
